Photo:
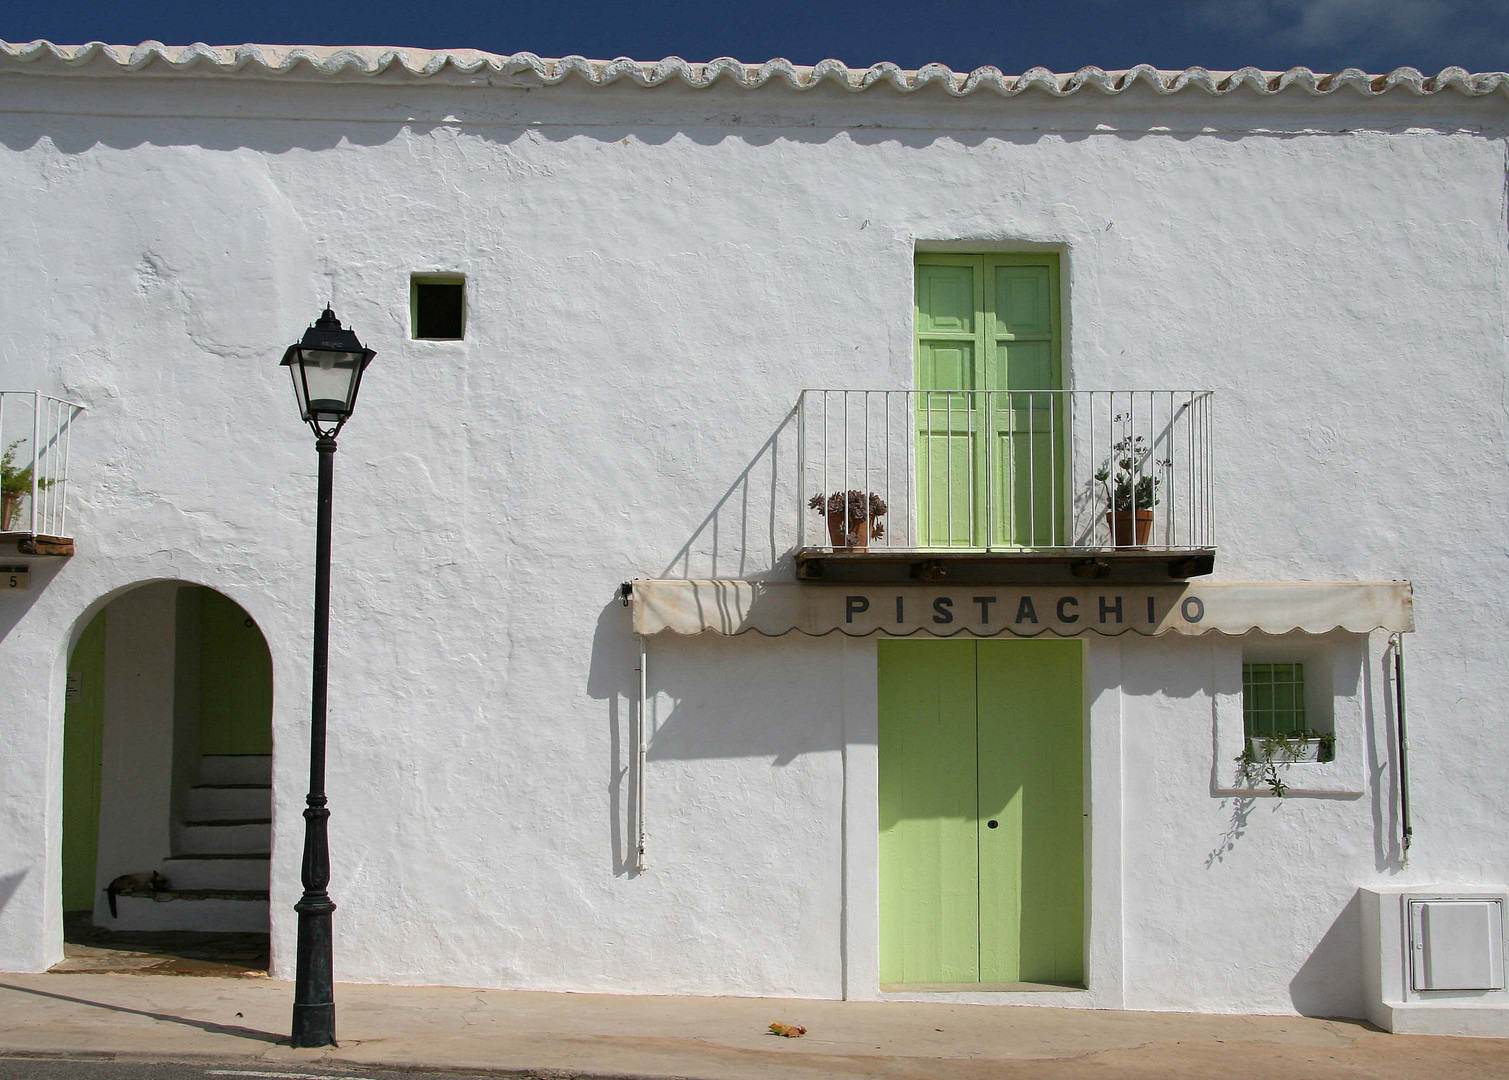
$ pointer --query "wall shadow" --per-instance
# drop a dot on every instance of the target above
(710, 697)
(8, 886)
(203, 1025)
(16, 603)
(1145, 680)
(1383, 763)
(1327, 983)
(739, 536)
(612, 677)
(274, 115)
(1236, 827)
(273, 135)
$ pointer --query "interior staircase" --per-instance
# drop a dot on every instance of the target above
(218, 872)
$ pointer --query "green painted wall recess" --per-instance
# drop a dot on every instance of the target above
(83, 745)
(235, 682)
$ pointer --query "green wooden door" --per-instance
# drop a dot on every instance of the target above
(981, 812)
(235, 680)
(929, 895)
(83, 729)
(1031, 769)
(989, 323)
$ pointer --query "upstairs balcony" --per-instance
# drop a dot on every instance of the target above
(35, 434)
(1030, 485)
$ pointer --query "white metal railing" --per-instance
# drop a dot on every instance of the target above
(1006, 469)
(35, 433)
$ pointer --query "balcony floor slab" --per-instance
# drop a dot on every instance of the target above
(1015, 565)
(21, 543)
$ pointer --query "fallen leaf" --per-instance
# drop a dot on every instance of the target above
(787, 1031)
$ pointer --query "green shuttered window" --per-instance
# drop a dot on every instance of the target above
(1273, 700)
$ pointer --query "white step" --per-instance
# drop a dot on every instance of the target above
(235, 769)
(211, 910)
(218, 802)
(238, 837)
(251, 871)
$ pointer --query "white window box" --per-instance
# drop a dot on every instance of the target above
(1285, 753)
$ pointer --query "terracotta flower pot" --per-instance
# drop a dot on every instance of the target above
(1129, 528)
(858, 536)
(10, 505)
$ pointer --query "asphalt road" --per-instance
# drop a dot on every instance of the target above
(104, 1069)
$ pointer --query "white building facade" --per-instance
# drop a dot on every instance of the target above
(1297, 284)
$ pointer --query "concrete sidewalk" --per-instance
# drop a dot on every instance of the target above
(598, 1035)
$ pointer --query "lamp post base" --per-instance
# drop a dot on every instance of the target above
(313, 996)
(314, 974)
(313, 1026)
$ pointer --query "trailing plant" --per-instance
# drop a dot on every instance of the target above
(1130, 473)
(1260, 765)
(16, 482)
(852, 507)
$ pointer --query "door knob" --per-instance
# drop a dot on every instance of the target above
(992, 823)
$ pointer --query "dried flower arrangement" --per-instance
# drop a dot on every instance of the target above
(853, 516)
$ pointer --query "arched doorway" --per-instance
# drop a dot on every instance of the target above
(167, 779)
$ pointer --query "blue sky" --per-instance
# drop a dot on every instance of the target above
(1376, 35)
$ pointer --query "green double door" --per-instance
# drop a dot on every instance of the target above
(981, 812)
(989, 415)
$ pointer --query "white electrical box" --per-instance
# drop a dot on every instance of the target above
(1456, 943)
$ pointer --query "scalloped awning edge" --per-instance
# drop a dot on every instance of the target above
(729, 606)
(274, 60)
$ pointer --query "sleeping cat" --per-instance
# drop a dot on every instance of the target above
(134, 883)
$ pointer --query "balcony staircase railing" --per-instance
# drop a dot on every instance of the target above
(35, 436)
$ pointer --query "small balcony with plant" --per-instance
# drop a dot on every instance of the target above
(35, 438)
(935, 485)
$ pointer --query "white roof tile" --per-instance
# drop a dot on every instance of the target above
(319, 61)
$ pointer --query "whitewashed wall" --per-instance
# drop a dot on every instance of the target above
(652, 276)
(137, 737)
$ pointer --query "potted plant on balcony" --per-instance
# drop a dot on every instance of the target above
(14, 485)
(1130, 478)
(853, 517)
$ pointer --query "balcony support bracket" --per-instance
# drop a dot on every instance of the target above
(1197, 565)
(929, 570)
(809, 570)
(1091, 568)
(26, 544)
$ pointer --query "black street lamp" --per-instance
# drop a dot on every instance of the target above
(327, 368)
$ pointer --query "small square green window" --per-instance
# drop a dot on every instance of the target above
(1273, 699)
(437, 307)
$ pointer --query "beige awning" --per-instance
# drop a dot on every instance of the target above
(774, 608)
